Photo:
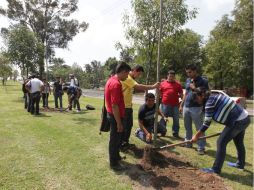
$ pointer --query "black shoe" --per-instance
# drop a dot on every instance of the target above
(118, 167)
(176, 135)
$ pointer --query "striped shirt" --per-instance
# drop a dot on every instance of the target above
(221, 109)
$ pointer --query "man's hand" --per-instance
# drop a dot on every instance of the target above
(196, 136)
(148, 137)
(181, 109)
(119, 128)
(156, 85)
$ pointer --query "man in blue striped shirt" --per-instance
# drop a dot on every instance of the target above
(222, 109)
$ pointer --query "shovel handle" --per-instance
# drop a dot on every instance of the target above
(188, 141)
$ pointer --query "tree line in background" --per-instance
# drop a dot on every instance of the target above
(226, 58)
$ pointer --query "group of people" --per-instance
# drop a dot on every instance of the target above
(35, 88)
(197, 105)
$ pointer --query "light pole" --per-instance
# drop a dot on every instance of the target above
(158, 76)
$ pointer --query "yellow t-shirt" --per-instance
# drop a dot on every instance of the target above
(128, 87)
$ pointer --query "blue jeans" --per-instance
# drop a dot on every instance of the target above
(172, 111)
(235, 132)
(194, 114)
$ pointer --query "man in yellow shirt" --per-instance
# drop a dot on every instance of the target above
(128, 87)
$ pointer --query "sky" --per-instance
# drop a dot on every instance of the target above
(106, 28)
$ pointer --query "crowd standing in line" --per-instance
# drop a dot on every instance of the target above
(34, 89)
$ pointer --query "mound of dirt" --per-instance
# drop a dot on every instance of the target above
(166, 170)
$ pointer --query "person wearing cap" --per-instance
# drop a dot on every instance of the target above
(58, 92)
(222, 109)
(45, 93)
(170, 92)
(128, 86)
(35, 86)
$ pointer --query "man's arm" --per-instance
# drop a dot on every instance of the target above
(146, 87)
(182, 102)
(117, 117)
(148, 135)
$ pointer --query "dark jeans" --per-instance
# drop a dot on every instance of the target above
(127, 124)
(58, 95)
(235, 132)
(74, 101)
(25, 100)
(35, 99)
(45, 97)
(114, 141)
(29, 102)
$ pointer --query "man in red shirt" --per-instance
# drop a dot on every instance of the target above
(170, 91)
(115, 112)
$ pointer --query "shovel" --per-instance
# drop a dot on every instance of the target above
(184, 142)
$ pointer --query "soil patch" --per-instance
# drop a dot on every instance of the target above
(166, 170)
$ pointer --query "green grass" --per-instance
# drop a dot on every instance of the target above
(65, 150)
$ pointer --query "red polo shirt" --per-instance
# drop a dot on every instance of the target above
(114, 95)
(170, 92)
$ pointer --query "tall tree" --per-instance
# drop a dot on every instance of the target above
(243, 27)
(48, 19)
(23, 48)
(142, 28)
(5, 68)
(230, 49)
(181, 48)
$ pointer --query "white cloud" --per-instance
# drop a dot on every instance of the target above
(217, 5)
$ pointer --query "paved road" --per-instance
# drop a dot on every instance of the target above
(137, 99)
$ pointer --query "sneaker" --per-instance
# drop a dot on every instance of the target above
(201, 152)
(208, 170)
(234, 165)
(78, 111)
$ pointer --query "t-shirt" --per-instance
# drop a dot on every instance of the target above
(128, 87)
(35, 85)
(114, 95)
(199, 82)
(146, 115)
(46, 88)
(57, 86)
(170, 92)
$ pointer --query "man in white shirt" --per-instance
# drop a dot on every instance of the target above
(35, 86)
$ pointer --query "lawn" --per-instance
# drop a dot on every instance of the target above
(65, 151)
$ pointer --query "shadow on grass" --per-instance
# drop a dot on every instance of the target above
(229, 158)
(41, 115)
(246, 179)
(82, 121)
